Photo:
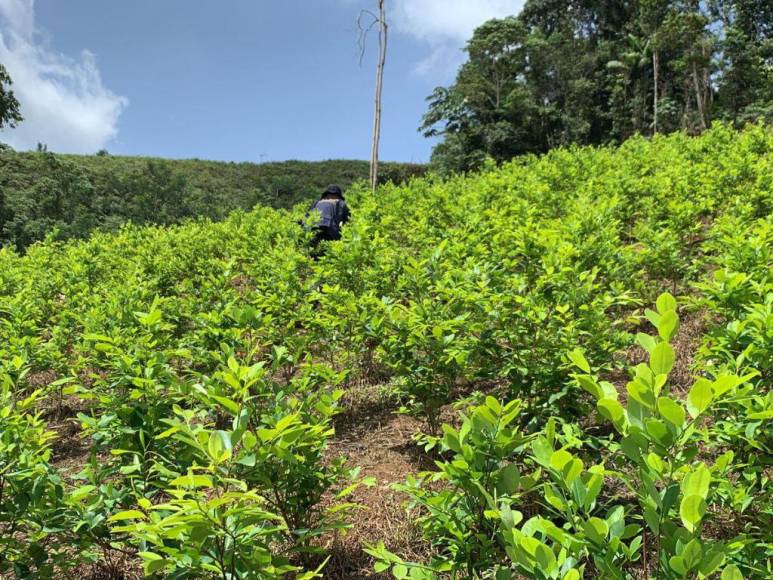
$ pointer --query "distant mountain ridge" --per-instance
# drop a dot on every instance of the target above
(68, 196)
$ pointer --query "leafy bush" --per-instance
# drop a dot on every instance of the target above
(205, 364)
(31, 493)
(473, 521)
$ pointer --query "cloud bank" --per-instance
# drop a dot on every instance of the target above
(63, 100)
(446, 26)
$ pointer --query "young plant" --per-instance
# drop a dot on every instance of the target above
(212, 524)
(660, 460)
(31, 494)
(464, 507)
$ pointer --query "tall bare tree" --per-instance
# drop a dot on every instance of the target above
(367, 21)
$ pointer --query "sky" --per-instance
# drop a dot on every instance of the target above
(232, 80)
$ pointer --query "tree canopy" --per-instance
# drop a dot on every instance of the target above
(10, 114)
(599, 71)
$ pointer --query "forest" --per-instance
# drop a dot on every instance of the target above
(596, 72)
(69, 196)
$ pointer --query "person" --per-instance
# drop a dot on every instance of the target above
(333, 213)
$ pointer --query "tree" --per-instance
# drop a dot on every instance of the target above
(745, 86)
(10, 114)
(598, 71)
(379, 21)
(485, 111)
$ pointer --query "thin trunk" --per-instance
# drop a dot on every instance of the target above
(382, 48)
(699, 97)
(655, 65)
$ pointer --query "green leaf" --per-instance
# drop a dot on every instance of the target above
(725, 383)
(697, 482)
(669, 323)
(641, 393)
(646, 342)
(590, 385)
(596, 529)
(732, 572)
(662, 359)
(81, 492)
(554, 499)
(723, 461)
(691, 510)
(666, 303)
(672, 411)
(612, 410)
(579, 360)
(219, 445)
(658, 431)
(692, 553)
(542, 450)
(249, 440)
(511, 478)
(153, 562)
(451, 439)
(655, 462)
(545, 558)
(230, 405)
(594, 485)
(699, 398)
(560, 458)
(572, 574)
(677, 565)
(652, 518)
(192, 480)
(572, 470)
(127, 515)
(653, 317)
(711, 561)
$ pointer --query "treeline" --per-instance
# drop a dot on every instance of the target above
(598, 71)
(68, 196)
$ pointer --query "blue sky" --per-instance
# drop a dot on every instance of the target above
(232, 80)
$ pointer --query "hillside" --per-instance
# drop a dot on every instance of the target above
(584, 339)
(75, 194)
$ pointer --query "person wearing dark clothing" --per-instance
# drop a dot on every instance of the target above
(331, 213)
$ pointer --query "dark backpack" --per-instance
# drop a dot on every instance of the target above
(332, 213)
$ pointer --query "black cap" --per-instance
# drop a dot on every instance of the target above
(334, 190)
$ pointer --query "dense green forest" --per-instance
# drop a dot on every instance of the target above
(592, 72)
(68, 196)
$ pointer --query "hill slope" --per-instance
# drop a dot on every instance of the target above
(229, 390)
(74, 194)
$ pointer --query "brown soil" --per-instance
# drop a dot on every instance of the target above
(371, 436)
(40, 379)
(686, 343)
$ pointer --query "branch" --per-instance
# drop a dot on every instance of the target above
(364, 30)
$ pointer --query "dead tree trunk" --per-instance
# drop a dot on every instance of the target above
(366, 22)
(382, 49)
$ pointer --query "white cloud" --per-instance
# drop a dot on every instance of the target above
(63, 100)
(446, 26)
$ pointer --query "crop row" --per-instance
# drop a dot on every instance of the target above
(204, 365)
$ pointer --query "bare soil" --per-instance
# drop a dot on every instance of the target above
(370, 435)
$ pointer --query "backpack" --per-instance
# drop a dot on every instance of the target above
(331, 215)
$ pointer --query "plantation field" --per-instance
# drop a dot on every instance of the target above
(556, 368)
